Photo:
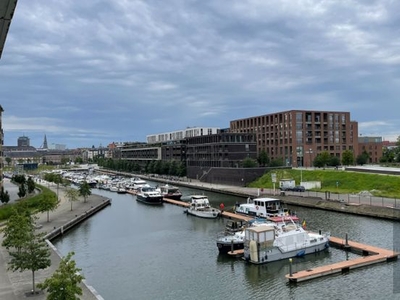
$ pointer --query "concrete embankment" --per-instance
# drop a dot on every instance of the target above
(343, 207)
(18, 285)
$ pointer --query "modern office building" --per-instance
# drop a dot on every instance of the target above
(180, 134)
(223, 150)
(297, 136)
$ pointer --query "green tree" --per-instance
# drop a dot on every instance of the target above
(278, 162)
(363, 158)
(4, 196)
(47, 204)
(22, 191)
(84, 190)
(8, 161)
(335, 161)
(347, 158)
(34, 255)
(64, 160)
(263, 158)
(19, 179)
(17, 228)
(72, 195)
(249, 163)
(64, 283)
(57, 179)
(30, 184)
(325, 158)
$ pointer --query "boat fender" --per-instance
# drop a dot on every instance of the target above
(257, 207)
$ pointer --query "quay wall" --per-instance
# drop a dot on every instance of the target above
(78, 219)
(89, 292)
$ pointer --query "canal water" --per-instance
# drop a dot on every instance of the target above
(132, 250)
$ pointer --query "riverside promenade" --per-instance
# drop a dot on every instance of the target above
(18, 285)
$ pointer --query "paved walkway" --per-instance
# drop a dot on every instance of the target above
(16, 285)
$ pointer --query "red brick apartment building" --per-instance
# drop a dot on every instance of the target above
(298, 136)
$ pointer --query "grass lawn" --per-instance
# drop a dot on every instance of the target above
(339, 181)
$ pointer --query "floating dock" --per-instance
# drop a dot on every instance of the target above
(371, 255)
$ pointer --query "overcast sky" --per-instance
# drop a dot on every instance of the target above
(94, 72)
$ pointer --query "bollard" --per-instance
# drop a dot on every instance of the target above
(346, 245)
(290, 267)
(232, 246)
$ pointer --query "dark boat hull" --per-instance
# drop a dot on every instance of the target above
(224, 248)
(173, 197)
(150, 200)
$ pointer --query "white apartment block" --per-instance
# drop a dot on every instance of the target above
(181, 134)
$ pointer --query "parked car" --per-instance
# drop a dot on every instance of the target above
(298, 188)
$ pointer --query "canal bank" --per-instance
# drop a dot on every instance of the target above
(18, 285)
(385, 209)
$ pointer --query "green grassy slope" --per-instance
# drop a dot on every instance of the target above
(348, 182)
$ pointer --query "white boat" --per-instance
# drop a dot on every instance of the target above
(136, 183)
(263, 244)
(121, 190)
(264, 207)
(113, 188)
(149, 195)
(200, 207)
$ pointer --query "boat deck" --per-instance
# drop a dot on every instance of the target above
(372, 255)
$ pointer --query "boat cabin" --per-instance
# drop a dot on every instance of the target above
(199, 202)
(262, 207)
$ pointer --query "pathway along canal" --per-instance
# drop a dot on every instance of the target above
(134, 251)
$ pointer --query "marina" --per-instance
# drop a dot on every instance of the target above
(188, 237)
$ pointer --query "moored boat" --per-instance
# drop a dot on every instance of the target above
(264, 208)
(263, 244)
(233, 237)
(170, 192)
(230, 241)
(149, 195)
(200, 207)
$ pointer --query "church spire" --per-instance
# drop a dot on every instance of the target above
(45, 142)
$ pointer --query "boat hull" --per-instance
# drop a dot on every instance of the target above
(225, 247)
(210, 214)
(251, 254)
(150, 200)
(173, 197)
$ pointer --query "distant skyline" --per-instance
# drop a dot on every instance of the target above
(87, 73)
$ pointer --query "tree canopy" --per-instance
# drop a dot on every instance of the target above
(84, 190)
(64, 283)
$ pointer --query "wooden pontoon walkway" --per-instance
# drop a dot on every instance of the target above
(372, 254)
(225, 214)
